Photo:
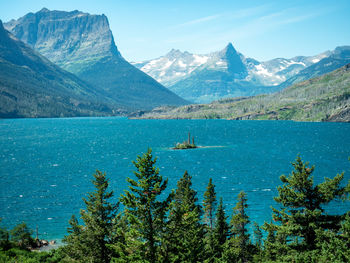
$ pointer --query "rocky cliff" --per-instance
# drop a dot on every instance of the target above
(84, 45)
(32, 86)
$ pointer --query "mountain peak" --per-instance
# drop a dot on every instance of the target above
(234, 61)
(174, 53)
(229, 45)
(2, 32)
(229, 49)
(81, 36)
(44, 10)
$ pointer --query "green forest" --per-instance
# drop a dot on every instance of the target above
(148, 225)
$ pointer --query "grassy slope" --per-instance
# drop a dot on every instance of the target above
(325, 98)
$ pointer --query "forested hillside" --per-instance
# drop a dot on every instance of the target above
(325, 98)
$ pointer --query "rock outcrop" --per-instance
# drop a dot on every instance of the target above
(32, 86)
(84, 45)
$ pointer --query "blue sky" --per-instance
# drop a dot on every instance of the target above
(259, 29)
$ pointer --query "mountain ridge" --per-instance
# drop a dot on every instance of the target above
(260, 77)
(32, 86)
(83, 44)
(323, 98)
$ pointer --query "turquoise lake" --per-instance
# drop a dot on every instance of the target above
(46, 165)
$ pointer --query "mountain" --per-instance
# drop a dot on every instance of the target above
(203, 78)
(335, 59)
(32, 86)
(223, 75)
(226, 73)
(83, 44)
(172, 67)
(324, 98)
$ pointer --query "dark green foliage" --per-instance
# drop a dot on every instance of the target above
(210, 204)
(217, 237)
(22, 235)
(237, 248)
(19, 255)
(302, 202)
(152, 229)
(4, 238)
(221, 229)
(144, 213)
(90, 241)
(258, 235)
(184, 237)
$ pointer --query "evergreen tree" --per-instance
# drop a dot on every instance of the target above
(90, 242)
(221, 230)
(237, 248)
(4, 238)
(21, 234)
(216, 238)
(257, 235)
(210, 204)
(145, 214)
(184, 239)
(302, 202)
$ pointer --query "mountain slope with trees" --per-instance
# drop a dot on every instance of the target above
(83, 44)
(32, 86)
(325, 98)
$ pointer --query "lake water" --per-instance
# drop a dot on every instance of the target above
(46, 165)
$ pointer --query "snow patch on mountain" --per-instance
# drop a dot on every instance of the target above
(176, 66)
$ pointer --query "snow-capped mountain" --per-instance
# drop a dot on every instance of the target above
(172, 67)
(274, 72)
(224, 73)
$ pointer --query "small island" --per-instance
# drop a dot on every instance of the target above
(186, 144)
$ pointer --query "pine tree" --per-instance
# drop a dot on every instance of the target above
(22, 235)
(210, 204)
(221, 230)
(90, 242)
(237, 248)
(184, 239)
(257, 235)
(4, 238)
(145, 214)
(302, 202)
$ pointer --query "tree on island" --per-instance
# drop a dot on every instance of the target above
(186, 144)
(90, 242)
